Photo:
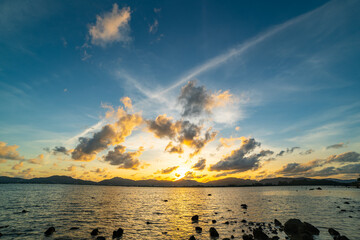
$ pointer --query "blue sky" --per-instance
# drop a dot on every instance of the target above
(291, 69)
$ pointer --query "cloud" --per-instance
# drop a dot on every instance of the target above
(228, 142)
(99, 170)
(110, 134)
(183, 132)
(240, 159)
(191, 175)
(127, 102)
(336, 146)
(71, 168)
(111, 27)
(9, 152)
(167, 170)
(18, 166)
(197, 100)
(60, 149)
(38, 160)
(170, 148)
(154, 27)
(163, 126)
(291, 169)
(200, 165)
(287, 151)
(123, 159)
(344, 157)
(307, 152)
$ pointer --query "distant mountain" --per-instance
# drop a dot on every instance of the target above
(226, 182)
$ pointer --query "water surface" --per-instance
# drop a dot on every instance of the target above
(108, 208)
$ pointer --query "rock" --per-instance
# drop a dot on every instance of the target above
(346, 203)
(227, 223)
(209, 194)
(247, 237)
(164, 233)
(311, 189)
(195, 218)
(259, 234)
(100, 238)
(0, 234)
(24, 211)
(213, 221)
(274, 231)
(244, 206)
(94, 232)
(275, 238)
(342, 238)
(293, 227)
(319, 188)
(243, 221)
(213, 232)
(226, 239)
(148, 222)
(232, 237)
(118, 233)
(74, 228)
(277, 223)
(333, 232)
(192, 238)
(5, 226)
(198, 229)
(165, 200)
(311, 229)
(50, 231)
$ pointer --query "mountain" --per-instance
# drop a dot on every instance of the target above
(226, 182)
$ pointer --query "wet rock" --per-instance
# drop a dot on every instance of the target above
(209, 194)
(5, 226)
(243, 221)
(342, 238)
(319, 188)
(118, 233)
(147, 222)
(226, 239)
(277, 223)
(165, 200)
(244, 206)
(232, 237)
(50, 231)
(275, 238)
(94, 232)
(346, 203)
(293, 227)
(227, 223)
(274, 231)
(247, 237)
(311, 189)
(192, 238)
(213, 221)
(213, 232)
(333, 232)
(100, 238)
(195, 218)
(259, 234)
(24, 211)
(311, 229)
(198, 229)
(74, 228)
(1, 235)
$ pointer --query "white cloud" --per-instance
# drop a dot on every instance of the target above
(112, 27)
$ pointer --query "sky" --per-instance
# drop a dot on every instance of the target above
(171, 90)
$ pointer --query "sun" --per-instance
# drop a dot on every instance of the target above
(181, 171)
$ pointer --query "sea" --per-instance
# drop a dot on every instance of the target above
(165, 212)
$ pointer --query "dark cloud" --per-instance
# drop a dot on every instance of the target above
(336, 146)
(168, 170)
(330, 171)
(163, 126)
(200, 165)
(123, 159)
(110, 134)
(292, 169)
(345, 157)
(191, 175)
(194, 100)
(60, 149)
(240, 159)
(287, 151)
(170, 148)
(182, 132)
(307, 152)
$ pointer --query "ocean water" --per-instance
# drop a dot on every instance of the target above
(110, 207)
